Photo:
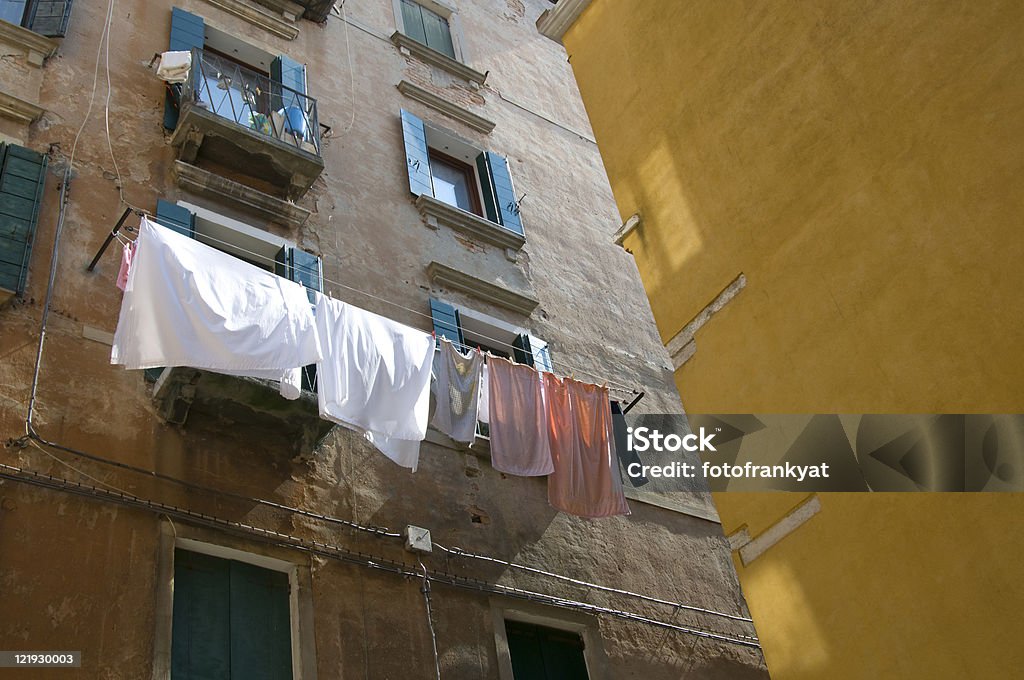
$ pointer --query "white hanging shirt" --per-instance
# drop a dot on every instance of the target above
(375, 377)
(456, 391)
(187, 304)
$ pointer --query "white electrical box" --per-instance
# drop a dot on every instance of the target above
(417, 539)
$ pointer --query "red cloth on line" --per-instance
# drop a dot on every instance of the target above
(518, 420)
(585, 481)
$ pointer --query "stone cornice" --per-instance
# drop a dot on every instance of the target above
(438, 213)
(18, 109)
(258, 16)
(435, 58)
(452, 279)
(446, 107)
(37, 47)
(554, 22)
(205, 183)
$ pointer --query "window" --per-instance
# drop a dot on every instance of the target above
(543, 653)
(45, 17)
(243, 83)
(22, 176)
(230, 619)
(444, 167)
(427, 27)
(469, 329)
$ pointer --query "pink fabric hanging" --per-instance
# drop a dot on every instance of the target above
(126, 264)
(518, 420)
(585, 481)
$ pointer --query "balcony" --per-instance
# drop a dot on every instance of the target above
(252, 129)
(314, 10)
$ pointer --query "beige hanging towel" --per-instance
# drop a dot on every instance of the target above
(585, 481)
(518, 419)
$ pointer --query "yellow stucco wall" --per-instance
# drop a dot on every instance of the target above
(862, 164)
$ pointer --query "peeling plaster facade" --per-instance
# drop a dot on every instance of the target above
(82, 573)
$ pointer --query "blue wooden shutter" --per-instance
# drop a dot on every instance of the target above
(417, 159)
(412, 21)
(297, 265)
(176, 217)
(447, 323)
(22, 177)
(540, 352)
(50, 18)
(201, 620)
(292, 75)
(522, 351)
(260, 623)
(506, 201)
(188, 31)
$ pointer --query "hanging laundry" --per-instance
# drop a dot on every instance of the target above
(456, 391)
(126, 264)
(174, 66)
(518, 419)
(375, 378)
(585, 481)
(483, 407)
(187, 304)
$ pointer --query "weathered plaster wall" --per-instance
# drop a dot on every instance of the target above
(81, 574)
(860, 164)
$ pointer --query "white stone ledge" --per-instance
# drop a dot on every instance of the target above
(205, 183)
(438, 213)
(554, 22)
(37, 47)
(435, 58)
(446, 107)
(257, 16)
(452, 279)
(18, 109)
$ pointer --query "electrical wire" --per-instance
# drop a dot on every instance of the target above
(202, 238)
(430, 619)
(458, 552)
(17, 474)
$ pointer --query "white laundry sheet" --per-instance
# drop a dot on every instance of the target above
(187, 304)
(375, 378)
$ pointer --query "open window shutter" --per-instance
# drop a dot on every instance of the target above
(292, 75)
(201, 626)
(261, 645)
(446, 322)
(50, 18)
(188, 31)
(299, 266)
(176, 217)
(487, 188)
(22, 177)
(506, 202)
(522, 350)
(417, 159)
(541, 355)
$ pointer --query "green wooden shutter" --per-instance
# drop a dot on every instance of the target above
(542, 653)
(439, 36)
(487, 188)
(522, 352)
(297, 265)
(412, 21)
(260, 623)
(176, 217)
(188, 31)
(22, 177)
(447, 323)
(201, 623)
(417, 159)
(50, 18)
(506, 202)
(540, 352)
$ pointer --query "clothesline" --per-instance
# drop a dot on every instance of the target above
(572, 370)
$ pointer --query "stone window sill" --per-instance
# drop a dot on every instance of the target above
(438, 213)
(37, 47)
(435, 58)
(258, 16)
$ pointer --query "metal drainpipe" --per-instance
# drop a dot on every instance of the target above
(65, 185)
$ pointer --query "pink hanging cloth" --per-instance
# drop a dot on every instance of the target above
(518, 420)
(126, 265)
(585, 481)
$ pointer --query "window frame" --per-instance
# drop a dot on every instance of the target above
(586, 626)
(443, 10)
(194, 539)
(469, 171)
